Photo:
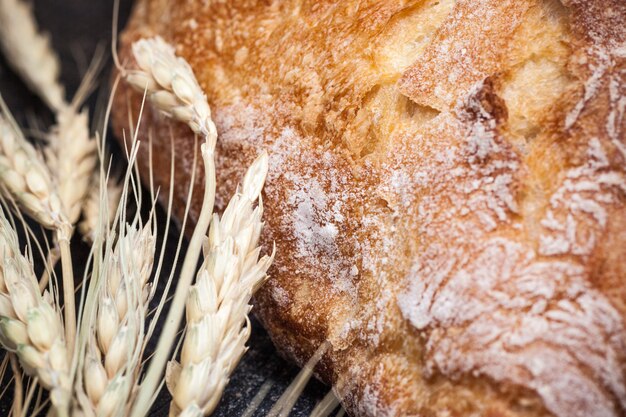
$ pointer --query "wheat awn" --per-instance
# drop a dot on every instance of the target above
(99, 204)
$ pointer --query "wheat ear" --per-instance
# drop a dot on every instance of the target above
(29, 324)
(26, 178)
(28, 51)
(111, 365)
(170, 84)
(72, 158)
(218, 304)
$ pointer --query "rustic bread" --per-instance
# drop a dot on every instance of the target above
(447, 190)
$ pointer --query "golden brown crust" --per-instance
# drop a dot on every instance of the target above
(446, 190)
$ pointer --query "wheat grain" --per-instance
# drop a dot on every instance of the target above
(218, 303)
(113, 353)
(30, 326)
(71, 156)
(99, 207)
(29, 52)
(170, 84)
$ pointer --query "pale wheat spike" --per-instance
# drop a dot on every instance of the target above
(28, 51)
(97, 205)
(30, 325)
(72, 158)
(26, 179)
(113, 355)
(170, 85)
(218, 303)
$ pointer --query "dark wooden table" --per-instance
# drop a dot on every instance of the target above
(76, 28)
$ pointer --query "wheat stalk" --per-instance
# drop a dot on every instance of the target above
(170, 84)
(30, 326)
(97, 204)
(29, 52)
(218, 304)
(18, 394)
(172, 87)
(113, 352)
(72, 158)
(153, 377)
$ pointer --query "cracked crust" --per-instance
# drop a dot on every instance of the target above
(447, 190)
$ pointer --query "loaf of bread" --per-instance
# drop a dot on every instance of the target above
(447, 190)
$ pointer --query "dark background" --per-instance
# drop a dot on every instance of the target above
(76, 28)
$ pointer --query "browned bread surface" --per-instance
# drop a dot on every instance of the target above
(447, 190)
